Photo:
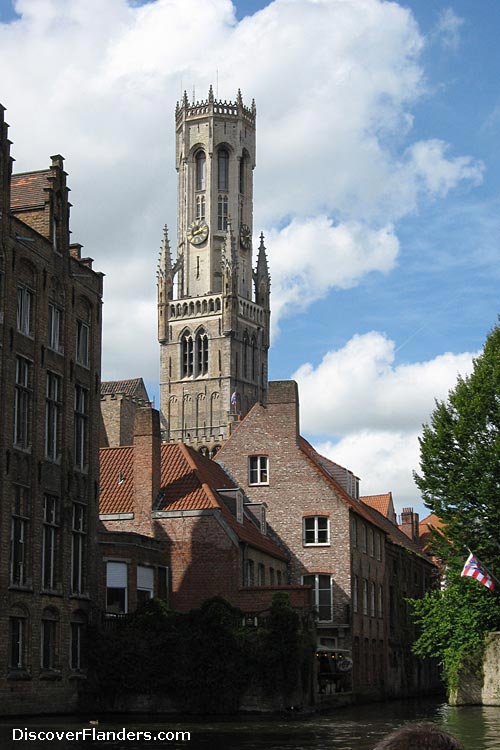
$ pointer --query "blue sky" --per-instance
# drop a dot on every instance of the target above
(377, 185)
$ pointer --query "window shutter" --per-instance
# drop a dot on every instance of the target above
(116, 575)
(145, 578)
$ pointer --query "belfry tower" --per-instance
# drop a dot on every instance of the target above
(213, 307)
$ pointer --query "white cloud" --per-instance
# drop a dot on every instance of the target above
(375, 409)
(448, 28)
(97, 81)
(300, 272)
(360, 387)
(384, 461)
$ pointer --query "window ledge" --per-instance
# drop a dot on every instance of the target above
(258, 484)
(51, 675)
(51, 592)
(21, 587)
(316, 544)
(78, 674)
(18, 675)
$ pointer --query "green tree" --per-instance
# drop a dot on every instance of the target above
(460, 482)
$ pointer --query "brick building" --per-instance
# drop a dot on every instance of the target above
(120, 400)
(194, 529)
(347, 551)
(50, 358)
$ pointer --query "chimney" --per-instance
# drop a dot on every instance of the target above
(147, 458)
(409, 523)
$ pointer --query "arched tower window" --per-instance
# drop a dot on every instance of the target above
(254, 358)
(223, 169)
(187, 355)
(222, 213)
(202, 353)
(200, 162)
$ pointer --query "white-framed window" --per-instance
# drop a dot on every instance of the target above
(116, 587)
(316, 530)
(76, 641)
(20, 536)
(55, 332)
(200, 207)
(25, 299)
(81, 426)
(145, 583)
(258, 470)
(363, 537)
(321, 584)
(50, 532)
(82, 343)
(271, 577)
(378, 546)
(53, 409)
(354, 531)
(78, 535)
(22, 403)
(355, 594)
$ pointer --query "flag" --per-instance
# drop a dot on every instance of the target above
(474, 569)
(233, 399)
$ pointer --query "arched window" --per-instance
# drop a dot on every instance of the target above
(200, 161)
(49, 639)
(254, 358)
(18, 638)
(187, 355)
(223, 169)
(202, 353)
(222, 213)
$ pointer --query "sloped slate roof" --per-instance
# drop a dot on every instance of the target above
(131, 387)
(29, 190)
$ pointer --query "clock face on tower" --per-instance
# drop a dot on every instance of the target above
(245, 236)
(197, 232)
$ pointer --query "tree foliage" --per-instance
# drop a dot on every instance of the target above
(460, 482)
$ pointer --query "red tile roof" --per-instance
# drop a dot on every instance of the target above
(116, 480)
(189, 481)
(29, 190)
(382, 503)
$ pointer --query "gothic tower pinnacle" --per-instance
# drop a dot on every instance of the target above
(213, 331)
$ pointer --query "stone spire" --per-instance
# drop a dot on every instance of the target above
(165, 266)
(261, 277)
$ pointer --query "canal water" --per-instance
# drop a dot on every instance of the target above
(353, 728)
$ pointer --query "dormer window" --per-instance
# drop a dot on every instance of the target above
(258, 470)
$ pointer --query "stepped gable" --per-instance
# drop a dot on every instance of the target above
(116, 480)
(190, 482)
(29, 189)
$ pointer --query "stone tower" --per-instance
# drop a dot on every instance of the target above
(213, 308)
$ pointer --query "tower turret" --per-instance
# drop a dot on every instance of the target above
(214, 334)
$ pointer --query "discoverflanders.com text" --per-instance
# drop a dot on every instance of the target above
(98, 735)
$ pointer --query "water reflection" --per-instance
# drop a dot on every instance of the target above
(356, 728)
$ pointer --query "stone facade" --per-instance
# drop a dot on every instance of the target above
(213, 328)
(50, 361)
